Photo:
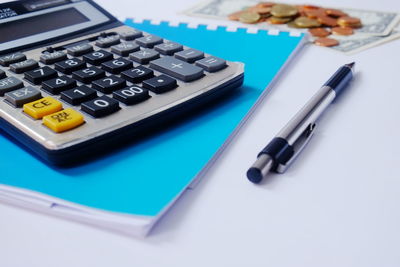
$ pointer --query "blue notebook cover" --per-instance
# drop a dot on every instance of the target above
(127, 181)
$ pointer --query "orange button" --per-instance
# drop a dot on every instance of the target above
(63, 120)
(42, 107)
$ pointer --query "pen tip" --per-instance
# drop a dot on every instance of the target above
(350, 65)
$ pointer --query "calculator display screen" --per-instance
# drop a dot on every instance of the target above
(39, 24)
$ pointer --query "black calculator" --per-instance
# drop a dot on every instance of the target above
(73, 79)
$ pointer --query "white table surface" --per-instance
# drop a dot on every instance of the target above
(338, 205)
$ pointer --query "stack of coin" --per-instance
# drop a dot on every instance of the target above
(320, 21)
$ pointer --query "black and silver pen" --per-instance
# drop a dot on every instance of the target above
(288, 143)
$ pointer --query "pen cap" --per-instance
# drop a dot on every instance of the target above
(340, 79)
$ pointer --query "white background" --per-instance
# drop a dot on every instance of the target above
(338, 205)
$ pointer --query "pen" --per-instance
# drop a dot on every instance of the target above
(290, 141)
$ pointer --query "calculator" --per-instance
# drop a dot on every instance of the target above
(74, 80)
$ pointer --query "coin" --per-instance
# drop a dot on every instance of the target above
(262, 10)
(327, 42)
(277, 20)
(304, 22)
(282, 11)
(342, 30)
(328, 21)
(349, 22)
(265, 4)
(249, 17)
(314, 13)
(336, 13)
(235, 15)
(319, 32)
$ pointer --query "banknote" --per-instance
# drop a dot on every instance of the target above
(377, 25)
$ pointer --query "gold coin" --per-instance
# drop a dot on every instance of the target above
(277, 20)
(249, 17)
(304, 22)
(327, 42)
(292, 24)
(342, 31)
(282, 11)
(349, 22)
(319, 32)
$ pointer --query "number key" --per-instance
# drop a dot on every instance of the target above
(117, 65)
(109, 84)
(101, 106)
(138, 74)
(88, 75)
(131, 95)
(78, 95)
(39, 75)
(97, 57)
(57, 85)
(70, 65)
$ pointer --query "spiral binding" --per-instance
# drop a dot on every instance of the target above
(215, 26)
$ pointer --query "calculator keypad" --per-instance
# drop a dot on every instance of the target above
(89, 81)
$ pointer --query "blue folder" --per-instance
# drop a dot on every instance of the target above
(144, 178)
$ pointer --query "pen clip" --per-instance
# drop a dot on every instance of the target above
(298, 146)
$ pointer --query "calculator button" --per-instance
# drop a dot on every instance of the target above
(149, 41)
(108, 41)
(144, 56)
(189, 55)
(2, 74)
(211, 64)
(10, 84)
(39, 75)
(42, 107)
(63, 120)
(97, 57)
(23, 96)
(130, 35)
(78, 95)
(70, 65)
(57, 85)
(52, 57)
(101, 106)
(88, 75)
(160, 84)
(131, 95)
(177, 68)
(125, 48)
(23, 66)
(79, 49)
(109, 84)
(138, 74)
(11, 58)
(117, 65)
(168, 48)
